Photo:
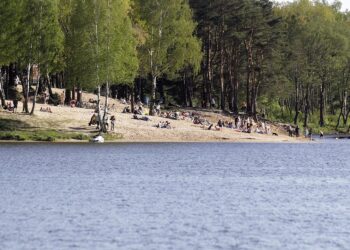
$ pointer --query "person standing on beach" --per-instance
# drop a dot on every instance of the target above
(112, 122)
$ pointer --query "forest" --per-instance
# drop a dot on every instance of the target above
(284, 62)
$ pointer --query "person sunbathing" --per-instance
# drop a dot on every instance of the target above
(143, 118)
(165, 124)
(48, 109)
(127, 110)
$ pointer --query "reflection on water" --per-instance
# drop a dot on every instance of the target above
(175, 196)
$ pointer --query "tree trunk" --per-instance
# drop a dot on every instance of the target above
(26, 89)
(322, 92)
(235, 92)
(185, 90)
(231, 91)
(73, 93)
(132, 101)
(307, 107)
(342, 110)
(208, 96)
(79, 95)
(296, 106)
(222, 65)
(98, 109)
(254, 101)
(190, 90)
(2, 92)
(105, 111)
(35, 95)
(49, 84)
(68, 96)
(250, 74)
(153, 95)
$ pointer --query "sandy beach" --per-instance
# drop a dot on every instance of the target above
(68, 119)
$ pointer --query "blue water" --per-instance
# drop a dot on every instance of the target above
(175, 196)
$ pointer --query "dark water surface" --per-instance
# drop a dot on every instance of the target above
(175, 196)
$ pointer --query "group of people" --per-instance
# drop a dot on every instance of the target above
(164, 124)
(11, 106)
(246, 125)
(137, 111)
(308, 133)
(47, 109)
(94, 120)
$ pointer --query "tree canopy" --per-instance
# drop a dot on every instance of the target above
(285, 61)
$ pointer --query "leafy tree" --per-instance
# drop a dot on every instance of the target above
(171, 44)
(9, 20)
(100, 44)
(39, 41)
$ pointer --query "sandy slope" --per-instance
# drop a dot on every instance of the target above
(76, 119)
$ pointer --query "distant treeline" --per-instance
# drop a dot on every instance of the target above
(289, 62)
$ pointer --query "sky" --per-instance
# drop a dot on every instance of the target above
(345, 5)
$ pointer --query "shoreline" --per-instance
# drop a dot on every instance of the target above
(70, 125)
(244, 141)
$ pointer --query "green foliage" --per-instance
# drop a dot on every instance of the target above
(170, 42)
(100, 44)
(41, 136)
(40, 37)
(9, 20)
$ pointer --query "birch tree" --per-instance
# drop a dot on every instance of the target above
(100, 46)
(170, 36)
(39, 41)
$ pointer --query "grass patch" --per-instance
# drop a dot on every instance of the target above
(113, 137)
(12, 125)
(42, 136)
(110, 137)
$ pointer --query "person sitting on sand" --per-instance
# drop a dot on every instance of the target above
(93, 120)
(220, 123)
(249, 128)
(126, 110)
(9, 106)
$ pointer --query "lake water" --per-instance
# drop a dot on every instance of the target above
(175, 196)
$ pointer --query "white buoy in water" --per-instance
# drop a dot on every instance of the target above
(98, 139)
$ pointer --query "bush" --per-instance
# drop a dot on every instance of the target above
(12, 137)
(80, 137)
